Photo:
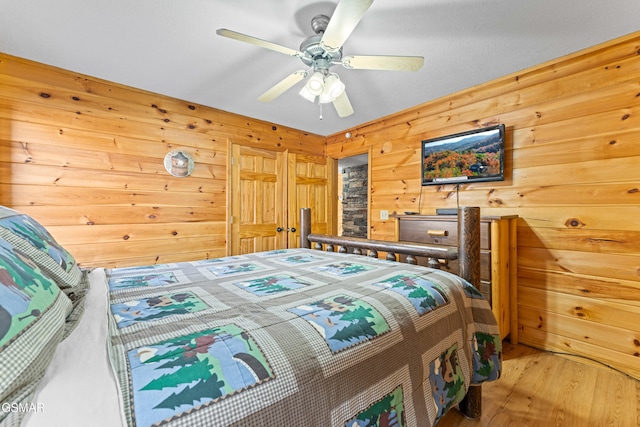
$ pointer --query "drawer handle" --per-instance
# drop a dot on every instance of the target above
(440, 233)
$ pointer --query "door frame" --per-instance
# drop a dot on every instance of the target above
(336, 190)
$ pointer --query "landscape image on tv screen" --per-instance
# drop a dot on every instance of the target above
(470, 156)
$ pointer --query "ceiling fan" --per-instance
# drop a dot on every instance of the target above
(322, 51)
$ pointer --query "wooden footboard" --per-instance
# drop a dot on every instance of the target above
(467, 253)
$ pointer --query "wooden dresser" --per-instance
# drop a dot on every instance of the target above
(497, 253)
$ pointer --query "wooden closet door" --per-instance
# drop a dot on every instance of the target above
(258, 200)
(311, 179)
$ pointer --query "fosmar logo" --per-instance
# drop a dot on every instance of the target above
(7, 407)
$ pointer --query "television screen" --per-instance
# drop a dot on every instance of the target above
(466, 157)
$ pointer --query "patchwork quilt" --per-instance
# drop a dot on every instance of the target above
(296, 337)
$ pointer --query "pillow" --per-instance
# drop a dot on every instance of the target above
(35, 242)
(33, 314)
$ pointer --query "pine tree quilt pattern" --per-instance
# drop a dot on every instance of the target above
(156, 307)
(343, 321)
(424, 294)
(193, 370)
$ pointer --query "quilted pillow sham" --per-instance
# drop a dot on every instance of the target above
(33, 314)
(36, 243)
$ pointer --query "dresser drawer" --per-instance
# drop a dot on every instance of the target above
(438, 232)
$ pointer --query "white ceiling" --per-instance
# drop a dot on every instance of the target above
(171, 47)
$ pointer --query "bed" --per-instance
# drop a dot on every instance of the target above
(305, 336)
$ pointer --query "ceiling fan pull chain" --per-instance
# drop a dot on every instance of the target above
(320, 104)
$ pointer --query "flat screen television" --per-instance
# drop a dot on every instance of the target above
(466, 157)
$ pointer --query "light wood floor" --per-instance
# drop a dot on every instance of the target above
(540, 389)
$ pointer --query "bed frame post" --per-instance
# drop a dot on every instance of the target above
(305, 227)
(469, 244)
(469, 264)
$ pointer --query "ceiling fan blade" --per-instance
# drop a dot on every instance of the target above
(343, 105)
(259, 42)
(392, 63)
(346, 17)
(282, 86)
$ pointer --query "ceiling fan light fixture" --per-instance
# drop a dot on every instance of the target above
(315, 85)
(306, 94)
(334, 86)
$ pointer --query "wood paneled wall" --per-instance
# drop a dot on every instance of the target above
(85, 158)
(573, 162)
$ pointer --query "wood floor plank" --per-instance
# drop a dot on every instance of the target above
(576, 384)
(539, 388)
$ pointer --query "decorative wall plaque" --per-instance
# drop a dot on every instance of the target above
(178, 163)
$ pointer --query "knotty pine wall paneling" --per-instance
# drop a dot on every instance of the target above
(85, 157)
(573, 156)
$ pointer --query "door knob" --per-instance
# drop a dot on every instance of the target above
(280, 229)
